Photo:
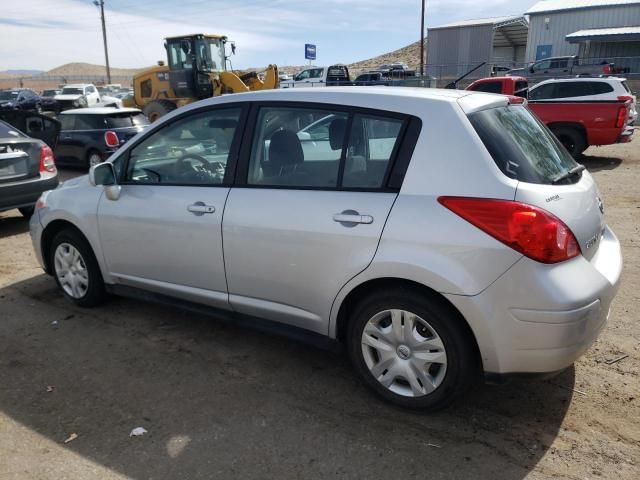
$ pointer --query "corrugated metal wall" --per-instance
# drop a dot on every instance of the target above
(457, 48)
(564, 23)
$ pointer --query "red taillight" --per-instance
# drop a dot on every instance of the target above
(47, 160)
(625, 98)
(606, 69)
(623, 114)
(529, 230)
(111, 139)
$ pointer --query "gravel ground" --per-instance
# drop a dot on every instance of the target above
(219, 401)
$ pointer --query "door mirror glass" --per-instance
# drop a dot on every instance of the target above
(102, 174)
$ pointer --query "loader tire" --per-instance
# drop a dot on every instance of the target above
(157, 108)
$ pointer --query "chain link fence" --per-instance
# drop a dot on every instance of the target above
(44, 82)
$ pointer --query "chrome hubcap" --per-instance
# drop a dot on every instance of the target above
(404, 353)
(71, 271)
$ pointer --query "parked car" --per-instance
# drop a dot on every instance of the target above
(371, 78)
(585, 89)
(319, 77)
(562, 67)
(89, 135)
(396, 70)
(577, 122)
(48, 101)
(426, 275)
(78, 96)
(27, 169)
(20, 99)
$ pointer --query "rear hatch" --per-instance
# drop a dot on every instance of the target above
(19, 160)
(524, 149)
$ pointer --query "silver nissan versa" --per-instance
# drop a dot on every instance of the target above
(436, 234)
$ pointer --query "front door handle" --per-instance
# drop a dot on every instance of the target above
(200, 208)
(350, 218)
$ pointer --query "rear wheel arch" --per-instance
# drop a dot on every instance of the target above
(370, 287)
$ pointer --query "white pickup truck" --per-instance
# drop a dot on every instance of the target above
(319, 77)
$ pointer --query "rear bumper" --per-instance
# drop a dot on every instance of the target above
(538, 318)
(626, 134)
(25, 193)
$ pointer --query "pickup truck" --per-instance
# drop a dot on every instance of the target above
(319, 77)
(562, 67)
(577, 124)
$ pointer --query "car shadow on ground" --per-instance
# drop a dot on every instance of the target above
(221, 401)
(12, 225)
(596, 164)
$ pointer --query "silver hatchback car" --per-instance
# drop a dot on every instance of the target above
(436, 234)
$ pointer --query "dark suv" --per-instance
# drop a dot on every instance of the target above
(89, 135)
(20, 99)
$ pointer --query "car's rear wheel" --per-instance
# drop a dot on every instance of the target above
(27, 211)
(572, 139)
(411, 348)
(93, 158)
(76, 270)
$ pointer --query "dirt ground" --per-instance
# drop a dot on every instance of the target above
(219, 401)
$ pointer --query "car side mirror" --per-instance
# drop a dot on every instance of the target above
(104, 174)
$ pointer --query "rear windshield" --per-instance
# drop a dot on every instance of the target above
(522, 147)
(126, 120)
(7, 131)
(8, 95)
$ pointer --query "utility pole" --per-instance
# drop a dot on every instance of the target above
(100, 3)
(421, 39)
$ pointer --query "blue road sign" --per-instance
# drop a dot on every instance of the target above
(309, 51)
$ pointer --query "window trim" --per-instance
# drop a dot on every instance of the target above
(398, 161)
(232, 160)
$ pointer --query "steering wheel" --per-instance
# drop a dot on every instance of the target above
(213, 168)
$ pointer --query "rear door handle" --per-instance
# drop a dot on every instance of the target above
(351, 217)
(200, 208)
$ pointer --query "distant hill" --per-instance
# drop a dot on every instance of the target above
(409, 55)
(90, 69)
(22, 72)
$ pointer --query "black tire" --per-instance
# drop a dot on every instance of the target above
(157, 108)
(462, 364)
(572, 139)
(90, 153)
(27, 211)
(95, 293)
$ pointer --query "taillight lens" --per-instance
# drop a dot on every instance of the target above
(47, 160)
(621, 120)
(529, 230)
(111, 139)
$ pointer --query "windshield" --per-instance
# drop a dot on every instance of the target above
(127, 120)
(71, 91)
(523, 148)
(49, 93)
(210, 53)
(8, 95)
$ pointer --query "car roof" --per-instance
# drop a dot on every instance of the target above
(101, 110)
(78, 85)
(393, 99)
(581, 79)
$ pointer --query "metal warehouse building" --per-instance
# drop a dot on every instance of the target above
(454, 48)
(596, 29)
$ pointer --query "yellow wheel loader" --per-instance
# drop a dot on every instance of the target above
(195, 69)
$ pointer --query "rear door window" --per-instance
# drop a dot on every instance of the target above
(67, 122)
(522, 147)
(573, 89)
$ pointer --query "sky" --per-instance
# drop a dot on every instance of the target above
(43, 34)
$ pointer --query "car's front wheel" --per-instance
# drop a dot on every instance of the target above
(411, 348)
(76, 270)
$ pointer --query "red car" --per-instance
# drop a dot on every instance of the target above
(577, 124)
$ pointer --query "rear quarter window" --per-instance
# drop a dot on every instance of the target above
(521, 146)
(601, 87)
